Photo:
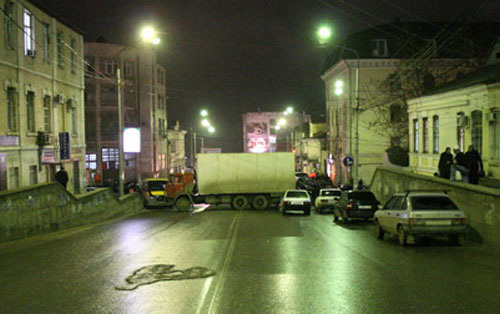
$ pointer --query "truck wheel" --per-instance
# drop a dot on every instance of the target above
(260, 202)
(240, 202)
(183, 203)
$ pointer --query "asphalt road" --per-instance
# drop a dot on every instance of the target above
(263, 262)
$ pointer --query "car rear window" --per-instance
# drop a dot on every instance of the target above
(296, 194)
(156, 185)
(362, 196)
(330, 193)
(432, 203)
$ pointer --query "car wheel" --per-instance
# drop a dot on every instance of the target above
(403, 238)
(457, 239)
(379, 232)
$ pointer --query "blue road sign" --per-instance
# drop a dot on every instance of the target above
(348, 161)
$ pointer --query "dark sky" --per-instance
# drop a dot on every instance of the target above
(234, 56)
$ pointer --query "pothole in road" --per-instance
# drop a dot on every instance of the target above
(162, 272)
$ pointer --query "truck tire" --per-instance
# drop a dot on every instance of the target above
(240, 202)
(183, 203)
(260, 202)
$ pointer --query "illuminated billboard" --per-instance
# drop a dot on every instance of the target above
(132, 140)
(257, 141)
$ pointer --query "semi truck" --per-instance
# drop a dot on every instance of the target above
(242, 180)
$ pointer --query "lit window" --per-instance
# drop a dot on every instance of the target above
(29, 34)
(416, 136)
(111, 157)
(435, 134)
(91, 161)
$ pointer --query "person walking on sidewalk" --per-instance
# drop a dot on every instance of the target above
(62, 176)
(460, 165)
(474, 163)
(445, 161)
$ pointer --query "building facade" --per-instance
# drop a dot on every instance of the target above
(143, 98)
(367, 82)
(177, 149)
(42, 98)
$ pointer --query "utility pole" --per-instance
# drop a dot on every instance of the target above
(356, 157)
(120, 133)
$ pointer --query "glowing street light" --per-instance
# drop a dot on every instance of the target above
(204, 113)
(278, 127)
(148, 33)
(288, 111)
(281, 122)
(211, 129)
(156, 41)
(339, 88)
(205, 123)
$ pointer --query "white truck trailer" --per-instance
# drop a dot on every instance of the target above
(244, 179)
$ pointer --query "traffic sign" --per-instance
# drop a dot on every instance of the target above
(348, 161)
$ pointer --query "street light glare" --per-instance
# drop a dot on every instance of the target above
(338, 91)
(204, 113)
(211, 129)
(281, 121)
(324, 32)
(148, 33)
(156, 41)
(289, 109)
(339, 84)
(205, 123)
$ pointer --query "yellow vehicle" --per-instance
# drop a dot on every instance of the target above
(176, 190)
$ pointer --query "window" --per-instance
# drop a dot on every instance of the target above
(60, 49)
(74, 122)
(110, 66)
(477, 130)
(173, 146)
(129, 68)
(12, 109)
(46, 42)
(47, 114)
(432, 203)
(272, 122)
(73, 55)
(29, 34)
(272, 131)
(10, 29)
(33, 175)
(378, 47)
(495, 135)
(416, 136)
(13, 177)
(461, 122)
(435, 134)
(30, 111)
(110, 156)
(425, 134)
(91, 161)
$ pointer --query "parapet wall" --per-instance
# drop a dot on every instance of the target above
(49, 207)
(481, 204)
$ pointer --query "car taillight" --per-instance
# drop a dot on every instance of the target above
(348, 205)
(460, 221)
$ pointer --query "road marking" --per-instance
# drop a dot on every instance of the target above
(233, 232)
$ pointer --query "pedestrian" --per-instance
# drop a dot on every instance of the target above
(474, 163)
(62, 176)
(460, 165)
(445, 161)
(360, 184)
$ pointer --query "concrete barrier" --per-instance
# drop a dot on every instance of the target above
(481, 204)
(49, 207)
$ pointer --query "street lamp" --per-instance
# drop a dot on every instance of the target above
(324, 34)
(204, 113)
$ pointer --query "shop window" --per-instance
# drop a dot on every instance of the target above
(91, 161)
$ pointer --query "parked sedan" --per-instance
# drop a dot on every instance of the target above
(355, 204)
(327, 199)
(419, 213)
(296, 200)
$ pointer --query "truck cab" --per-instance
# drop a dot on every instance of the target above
(175, 190)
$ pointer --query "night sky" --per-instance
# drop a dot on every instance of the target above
(235, 56)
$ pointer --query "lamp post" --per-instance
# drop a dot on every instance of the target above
(324, 34)
(194, 146)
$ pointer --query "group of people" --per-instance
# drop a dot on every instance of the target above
(469, 165)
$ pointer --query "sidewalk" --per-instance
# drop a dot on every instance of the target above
(490, 182)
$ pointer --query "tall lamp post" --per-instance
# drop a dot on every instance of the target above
(324, 34)
(206, 124)
(148, 35)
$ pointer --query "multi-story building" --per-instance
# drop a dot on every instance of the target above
(371, 75)
(177, 151)
(41, 103)
(143, 96)
(458, 114)
(265, 132)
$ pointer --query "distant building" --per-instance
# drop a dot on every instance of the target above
(144, 106)
(41, 105)
(461, 113)
(263, 132)
(177, 152)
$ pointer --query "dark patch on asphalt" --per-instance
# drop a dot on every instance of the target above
(162, 272)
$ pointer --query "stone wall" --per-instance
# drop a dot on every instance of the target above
(481, 204)
(49, 207)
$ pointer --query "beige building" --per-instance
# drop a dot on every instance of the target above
(355, 102)
(177, 151)
(41, 103)
(144, 106)
(462, 113)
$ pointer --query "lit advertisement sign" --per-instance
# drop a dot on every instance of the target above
(132, 140)
(257, 141)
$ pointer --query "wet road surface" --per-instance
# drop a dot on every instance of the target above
(249, 262)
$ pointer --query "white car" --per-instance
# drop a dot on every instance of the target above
(419, 213)
(296, 200)
(327, 199)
